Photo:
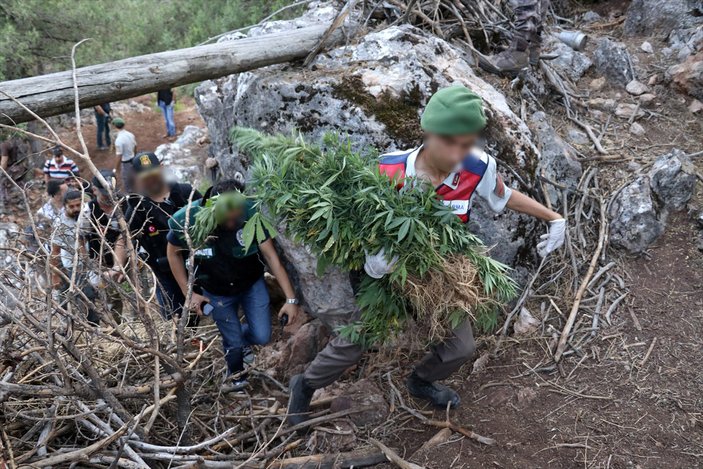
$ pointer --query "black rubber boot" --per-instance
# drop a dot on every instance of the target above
(299, 397)
(438, 394)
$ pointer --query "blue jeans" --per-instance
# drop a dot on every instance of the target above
(235, 335)
(167, 109)
(103, 130)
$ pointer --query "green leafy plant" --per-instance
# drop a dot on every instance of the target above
(335, 201)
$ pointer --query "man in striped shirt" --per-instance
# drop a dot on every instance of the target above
(60, 167)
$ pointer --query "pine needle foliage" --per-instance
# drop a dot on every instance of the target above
(335, 201)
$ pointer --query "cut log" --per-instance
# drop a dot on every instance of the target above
(53, 94)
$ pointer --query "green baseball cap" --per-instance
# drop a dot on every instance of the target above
(455, 110)
(118, 122)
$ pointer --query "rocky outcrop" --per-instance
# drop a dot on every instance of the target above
(372, 90)
(688, 76)
(647, 16)
(639, 213)
(184, 158)
(558, 162)
(635, 218)
(569, 62)
(673, 179)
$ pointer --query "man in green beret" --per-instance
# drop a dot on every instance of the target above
(448, 160)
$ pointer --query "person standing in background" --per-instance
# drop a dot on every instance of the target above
(125, 149)
(526, 43)
(102, 121)
(166, 100)
(59, 167)
(51, 210)
(9, 152)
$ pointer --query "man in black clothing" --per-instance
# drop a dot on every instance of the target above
(148, 214)
(101, 228)
(102, 121)
(166, 100)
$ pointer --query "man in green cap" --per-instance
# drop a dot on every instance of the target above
(449, 160)
(125, 149)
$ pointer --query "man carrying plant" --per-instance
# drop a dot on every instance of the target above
(449, 161)
(229, 269)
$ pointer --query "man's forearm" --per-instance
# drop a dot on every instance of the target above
(178, 269)
(277, 269)
(519, 202)
(121, 252)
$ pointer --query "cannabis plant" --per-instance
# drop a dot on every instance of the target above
(335, 201)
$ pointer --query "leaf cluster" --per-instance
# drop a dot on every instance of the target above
(337, 202)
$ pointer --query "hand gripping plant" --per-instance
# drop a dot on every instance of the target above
(335, 201)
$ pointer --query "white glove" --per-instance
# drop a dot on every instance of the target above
(553, 239)
(377, 266)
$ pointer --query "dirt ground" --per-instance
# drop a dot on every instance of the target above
(148, 127)
(635, 398)
(632, 398)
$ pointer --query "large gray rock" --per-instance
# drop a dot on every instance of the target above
(612, 60)
(648, 16)
(329, 296)
(558, 162)
(569, 62)
(635, 218)
(673, 179)
(684, 42)
(184, 159)
(639, 213)
(373, 91)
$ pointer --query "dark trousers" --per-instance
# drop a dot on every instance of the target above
(171, 299)
(169, 295)
(103, 134)
(87, 308)
(439, 363)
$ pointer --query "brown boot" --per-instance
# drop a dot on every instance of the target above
(508, 62)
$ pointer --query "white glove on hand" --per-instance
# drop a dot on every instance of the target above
(377, 266)
(553, 239)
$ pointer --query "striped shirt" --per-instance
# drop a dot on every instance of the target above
(66, 169)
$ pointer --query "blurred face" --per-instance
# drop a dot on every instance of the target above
(446, 152)
(73, 208)
(59, 158)
(232, 219)
(151, 184)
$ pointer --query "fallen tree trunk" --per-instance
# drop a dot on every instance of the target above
(53, 94)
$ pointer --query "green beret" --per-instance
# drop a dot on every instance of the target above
(118, 122)
(453, 111)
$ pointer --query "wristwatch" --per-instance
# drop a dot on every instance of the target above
(292, 301)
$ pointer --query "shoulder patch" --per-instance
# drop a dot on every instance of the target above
(395, 157)
(474, 163)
